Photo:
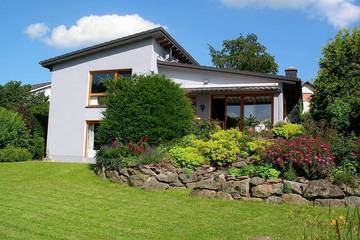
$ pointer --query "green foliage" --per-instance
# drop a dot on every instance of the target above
(345, 174)
(247, 170)
(339, 114)
(338, 83)
(288, 130)
(244, 53)
(112, 158)
(187, 157)
(290, 174)
(145, 105)
(37, 147)
(267, 172)
(203, 129)
(257, 147)
(12, 129)
(223, 147)
(14, 154)
(151, 155)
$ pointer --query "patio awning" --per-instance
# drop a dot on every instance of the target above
(233, 89)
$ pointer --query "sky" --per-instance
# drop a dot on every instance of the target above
(294, 31)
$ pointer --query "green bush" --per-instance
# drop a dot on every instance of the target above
(203, 129)
(290, 174)
(345, 174)
(288, 130)
(257, 147)
(112, 158)
(268, 172)
(247, 170)
(37, 146)
(145, 105)
(14, 154)
(187, 157)
(12, 129)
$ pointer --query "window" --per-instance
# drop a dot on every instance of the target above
(257, 109)
(92, 143)
(97, 84)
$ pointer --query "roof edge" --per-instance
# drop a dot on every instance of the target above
(49, 63)
(237, 72)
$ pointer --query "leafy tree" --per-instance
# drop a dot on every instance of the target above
(337, 86)
(244, 53)
(145, 106)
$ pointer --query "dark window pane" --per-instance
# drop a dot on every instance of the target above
(233, 112)
(98, 82)
(125, 74)
(257, 110)
(97, 144)
(218, 110)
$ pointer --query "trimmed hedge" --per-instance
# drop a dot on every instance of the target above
(14, 154)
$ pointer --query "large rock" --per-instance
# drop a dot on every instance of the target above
(203, 193)
(322, 189)
(350, 190)
(352, 201)
(167, 177)
(294, 187)
(329, 202)
(223, 195)
(256, 181)
(188, 177)
(240, 187)
(262, 191)
(277, 188)
(138, 180)
(114, 176)
(214, 183)
(274, 199)
(296, 199)
(152, 183)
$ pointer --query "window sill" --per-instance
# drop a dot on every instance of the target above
(96, 106)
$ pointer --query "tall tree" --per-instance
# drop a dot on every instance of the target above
(337, 86)
(244, 53)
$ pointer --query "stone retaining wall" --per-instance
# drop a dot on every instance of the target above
(210, 182)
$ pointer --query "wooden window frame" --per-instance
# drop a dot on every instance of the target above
(117, 74)
(88, 122)
(242, 108)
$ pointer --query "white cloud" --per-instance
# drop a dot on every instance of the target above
(339, 13)
(37, 30)
(94, 29)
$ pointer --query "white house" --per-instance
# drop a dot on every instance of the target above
(307, 92)
(225, 95)
(42, 88)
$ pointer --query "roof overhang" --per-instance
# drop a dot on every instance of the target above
(235, 72)
(159, 34)
(245, 89)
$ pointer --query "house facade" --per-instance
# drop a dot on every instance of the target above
(307, 90)
(230, 97)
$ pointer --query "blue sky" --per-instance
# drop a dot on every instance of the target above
(293, 32)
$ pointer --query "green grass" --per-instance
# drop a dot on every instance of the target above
(40, 200)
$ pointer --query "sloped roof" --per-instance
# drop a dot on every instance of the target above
(37, 86)
(160, 35)
(214, 69)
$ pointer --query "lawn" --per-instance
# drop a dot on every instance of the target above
(42, 200)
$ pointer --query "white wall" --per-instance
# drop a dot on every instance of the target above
(192, 79)
(70, 86)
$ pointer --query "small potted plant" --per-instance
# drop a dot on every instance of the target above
(250, 123)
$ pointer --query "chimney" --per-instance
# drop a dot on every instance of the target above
(291, 72)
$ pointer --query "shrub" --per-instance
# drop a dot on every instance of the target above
(37, 146)
(12, 129)
(14, 154)
(345, 174)
(268, 172)
(151, 155)
(257, 148)
(145, 105)
(112, 158)
(310, 157)
(247, 170)
(203, 129)
(290, 174)
(288, 130)
(223, 147)
(187, 157)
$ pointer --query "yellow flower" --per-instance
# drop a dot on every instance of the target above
(333, 222)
